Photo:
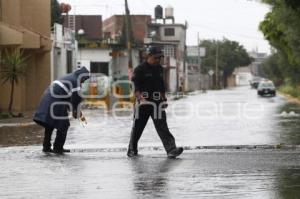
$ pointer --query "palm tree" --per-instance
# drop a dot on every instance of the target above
(12, 69)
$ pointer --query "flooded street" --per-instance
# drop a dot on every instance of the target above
(222, 78)
(228, 117)
(98, 166)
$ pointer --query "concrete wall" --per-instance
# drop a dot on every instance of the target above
(197, 82)
(11, 12)
(86, 56)
(139, 24)
(194, 82)
(59, 62)
(242, 79)
(180, 32)
(173, 75)
(231, 81)
(120, 65)
(63, 42)
(173, 80)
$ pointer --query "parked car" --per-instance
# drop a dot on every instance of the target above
(266, 88)
(255, 82)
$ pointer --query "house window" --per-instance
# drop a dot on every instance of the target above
(169, 32)
(100, 67)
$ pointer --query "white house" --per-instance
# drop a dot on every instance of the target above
(64, 51)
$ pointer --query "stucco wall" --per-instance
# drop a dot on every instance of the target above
(33, 15)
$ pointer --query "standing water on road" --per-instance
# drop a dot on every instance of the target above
(228, 117)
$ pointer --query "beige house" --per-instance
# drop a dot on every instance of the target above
(25, 25)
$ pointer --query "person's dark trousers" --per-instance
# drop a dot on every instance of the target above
(59, 140)
(141, 116)
(47, 138)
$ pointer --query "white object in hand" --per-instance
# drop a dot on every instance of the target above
(83, 121)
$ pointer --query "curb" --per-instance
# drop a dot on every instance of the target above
(290, 98)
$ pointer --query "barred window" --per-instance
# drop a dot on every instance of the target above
(169, 51)
(169, 32)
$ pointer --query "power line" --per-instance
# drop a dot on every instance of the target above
(232, 33)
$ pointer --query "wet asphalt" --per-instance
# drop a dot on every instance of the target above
(28, 173)
(245, 153)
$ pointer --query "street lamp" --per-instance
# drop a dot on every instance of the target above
(80, 32)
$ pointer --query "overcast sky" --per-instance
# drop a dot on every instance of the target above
(214, 19)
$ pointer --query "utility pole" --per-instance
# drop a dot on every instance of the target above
(128, 37)
(185, 83)
(199, 60)
(216, 67)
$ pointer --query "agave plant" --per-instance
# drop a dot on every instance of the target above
(12, 69)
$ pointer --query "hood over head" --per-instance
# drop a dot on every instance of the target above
(83, 73)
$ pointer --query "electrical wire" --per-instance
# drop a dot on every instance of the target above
(220, 31)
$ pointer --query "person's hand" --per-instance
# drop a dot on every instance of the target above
(74, 113)
(83, 119)
(140, 97)
(164, 103)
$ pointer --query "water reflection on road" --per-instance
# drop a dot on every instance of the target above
(228, 117)
(199, 174)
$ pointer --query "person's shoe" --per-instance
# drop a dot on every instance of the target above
(66, 150)
(132, 153)
(175, 152)
(48, 150)
(61, 151)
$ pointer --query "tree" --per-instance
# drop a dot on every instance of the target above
(12, 69)
(56, 16)
(231, 55)
(272, 68)
(281, 27)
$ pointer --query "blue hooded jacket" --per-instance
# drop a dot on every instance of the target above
(60, 98)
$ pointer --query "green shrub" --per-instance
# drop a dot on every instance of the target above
(4, 115)
(291, 90)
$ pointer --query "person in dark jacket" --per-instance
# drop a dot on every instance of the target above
(52, 113)
(151, 100)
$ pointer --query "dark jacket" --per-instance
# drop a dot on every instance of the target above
(149, 80)
(54, 97)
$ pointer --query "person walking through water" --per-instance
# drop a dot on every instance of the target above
(52, 113)
(151, 101)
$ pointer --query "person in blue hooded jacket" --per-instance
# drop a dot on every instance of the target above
(52, 113)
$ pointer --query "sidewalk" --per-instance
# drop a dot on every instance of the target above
(18, 121)
(20, 131)
(290, 98)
